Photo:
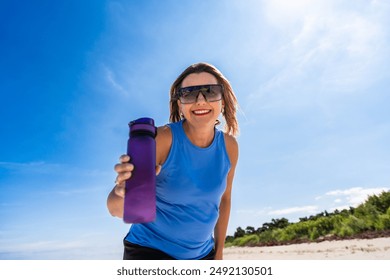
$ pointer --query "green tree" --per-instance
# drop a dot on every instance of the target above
(239, 232)
(250, 230)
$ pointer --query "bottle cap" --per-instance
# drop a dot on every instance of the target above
(143, 124)
(149, 121)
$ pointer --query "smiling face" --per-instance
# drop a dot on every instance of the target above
(201, 112)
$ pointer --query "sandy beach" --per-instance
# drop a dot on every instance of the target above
(355, 249)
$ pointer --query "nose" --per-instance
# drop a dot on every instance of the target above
(200, 98)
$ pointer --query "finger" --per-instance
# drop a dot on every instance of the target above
(124, 158)
(120, 190)
(124, 167)
(158, 169)
(122, 177)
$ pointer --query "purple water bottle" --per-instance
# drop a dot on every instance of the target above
(140, 196)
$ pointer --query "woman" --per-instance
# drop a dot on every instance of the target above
(195, 166)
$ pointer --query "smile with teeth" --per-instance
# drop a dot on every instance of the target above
(201, 112)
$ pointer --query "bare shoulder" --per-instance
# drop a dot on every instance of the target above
(163, 143)
(164, 132)
(231, 147)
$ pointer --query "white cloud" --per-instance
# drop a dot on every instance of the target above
(44, 246)
(47, 168)
(87, 246)
(33, 166)
(17, 165)
(339, 208)
(80, 191)
(354, 196)
(253, 212)
(284, 13)
(310, 209)
(42, 250)
(324, 48)
(114, 83)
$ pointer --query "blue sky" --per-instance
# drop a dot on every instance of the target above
(311, 77)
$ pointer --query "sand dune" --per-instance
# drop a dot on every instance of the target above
(355, 249)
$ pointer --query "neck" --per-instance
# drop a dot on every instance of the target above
(201, 137)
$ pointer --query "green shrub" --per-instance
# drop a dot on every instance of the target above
(369, 214)
(300, 230)
(248, 240)
(357, 225)
(383, 222)
(380, 202)
(314, 233)
(374, 214)
(324, 226)
(288, 234)
(266, 236)
(344, 231)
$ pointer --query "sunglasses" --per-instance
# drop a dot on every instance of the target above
(189, 95)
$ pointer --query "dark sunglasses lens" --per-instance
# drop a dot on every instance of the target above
(214, 93)
(188, 96)
(210, 92)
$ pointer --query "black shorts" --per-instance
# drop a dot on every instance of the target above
(136, 252)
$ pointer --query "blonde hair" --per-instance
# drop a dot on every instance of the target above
(229, 98)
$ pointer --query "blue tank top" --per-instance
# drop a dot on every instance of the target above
(189, 189)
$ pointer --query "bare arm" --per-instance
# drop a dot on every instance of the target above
(225, 205)
(115, 200)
